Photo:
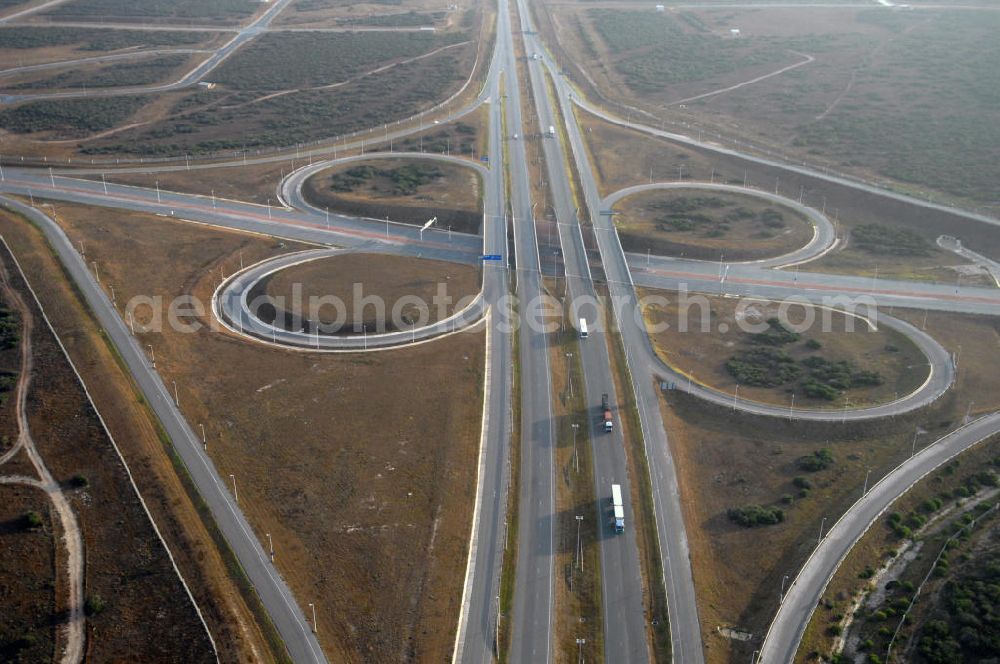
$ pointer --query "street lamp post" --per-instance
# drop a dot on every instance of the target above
(177, 401)
(203, 439)
(313, 607)
(864, 491)
(781, 595)
(576, 457)
(270, 545)
(579, 646)
(152, 354)
(579, 549)
(236, 494)
(569, 376)
(821, 524)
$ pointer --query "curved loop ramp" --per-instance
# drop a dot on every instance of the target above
(231, 306)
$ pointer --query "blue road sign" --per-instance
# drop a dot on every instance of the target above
(491, 257)
(485, 157)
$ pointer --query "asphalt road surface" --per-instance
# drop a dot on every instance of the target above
(621, 579)
(685, 628)
(532, 627)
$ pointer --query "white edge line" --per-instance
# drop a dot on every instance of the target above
(480, 468)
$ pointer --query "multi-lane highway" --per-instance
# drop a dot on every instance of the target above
(532, 623)
(685, 629)
(624, 618)
(532, 626)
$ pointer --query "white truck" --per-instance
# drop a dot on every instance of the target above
(618, 507)
(552, 131)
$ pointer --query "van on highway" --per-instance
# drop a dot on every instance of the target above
(583, 328)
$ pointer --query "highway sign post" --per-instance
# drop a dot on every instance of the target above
(491, 257)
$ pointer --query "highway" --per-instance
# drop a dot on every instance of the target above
(475, 640)
(623, 609)
(532, 622)
(532, 626)
(685, 628)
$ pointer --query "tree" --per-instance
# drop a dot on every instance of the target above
(94, 605)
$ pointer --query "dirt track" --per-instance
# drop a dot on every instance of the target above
(72, 633)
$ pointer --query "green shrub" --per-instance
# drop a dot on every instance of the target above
(94, 605)
(751, 516)
(776, 334)
(763, 367)
(817, 461)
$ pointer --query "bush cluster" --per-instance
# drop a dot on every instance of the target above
(405, 179)
(751, 516)
(815, 462)
(763, 366)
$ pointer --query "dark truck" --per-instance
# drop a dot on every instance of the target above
(609, 424)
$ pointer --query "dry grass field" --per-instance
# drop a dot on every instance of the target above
(705, 225)
(258, 183)
(728, 460)
(24, 45)
(624, 157)
(841, 108)
(144, 71)
(232, 12)
(27, 576)
(227, 607)
(703, 352)
(389, 277)
(257, 110)
(375, 13)
(145, 609)
(364, 486)
(406, 190)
